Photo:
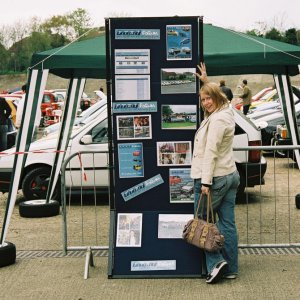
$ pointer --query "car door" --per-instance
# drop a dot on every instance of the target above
(90, 170)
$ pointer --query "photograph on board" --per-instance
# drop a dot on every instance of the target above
(181, 186)
(131, 162)
(179, 116)
(178, 81)
(179, 42)
(129, 230)
(174, 153)
(134, 127)
(170, 226)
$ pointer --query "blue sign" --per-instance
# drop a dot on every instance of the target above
(133, 106)
(137, 34)
(142, 187)
(131, 162)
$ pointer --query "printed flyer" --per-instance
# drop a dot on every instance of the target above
(131, 163)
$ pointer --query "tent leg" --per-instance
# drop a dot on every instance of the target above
(89, 261)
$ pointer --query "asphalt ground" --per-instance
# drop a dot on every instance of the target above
(42, 271)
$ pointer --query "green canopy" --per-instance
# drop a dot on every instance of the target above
(226, 52)
(80, 59)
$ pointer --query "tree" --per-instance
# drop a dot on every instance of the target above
(298, 37)
(167, 111)
(291, 36)
(4, 61)
(254, 32)
(80, 21)
(59, 25)
(21, 51)
(274, 34)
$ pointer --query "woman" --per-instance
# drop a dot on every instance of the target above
(214, 171)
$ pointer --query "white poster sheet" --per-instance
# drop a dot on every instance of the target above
(132, 61)
(129, 230)
(132, 87)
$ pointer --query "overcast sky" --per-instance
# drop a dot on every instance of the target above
(234, 14)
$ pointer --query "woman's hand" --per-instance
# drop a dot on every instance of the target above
(203, 74)
(204, 190)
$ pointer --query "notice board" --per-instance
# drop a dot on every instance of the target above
(153, 116)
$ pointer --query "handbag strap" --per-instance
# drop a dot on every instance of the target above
(209, 209)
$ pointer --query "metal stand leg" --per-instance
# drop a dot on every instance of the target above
(89, 261)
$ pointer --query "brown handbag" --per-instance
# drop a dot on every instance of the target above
(201, 233)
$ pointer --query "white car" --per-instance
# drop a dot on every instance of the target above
(93, 137)
(35, 176)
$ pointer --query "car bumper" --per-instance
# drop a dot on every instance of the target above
(253, 173)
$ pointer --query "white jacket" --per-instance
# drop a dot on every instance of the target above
(213, 153)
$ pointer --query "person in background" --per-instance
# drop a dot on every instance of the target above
(246, 96)
(85, 104)
(13, 108)
(226, 90)
(20, 109)
(214, 172)
(100, 94)
(5, 112)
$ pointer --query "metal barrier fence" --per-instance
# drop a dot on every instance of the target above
(87, 232)
(266, 216)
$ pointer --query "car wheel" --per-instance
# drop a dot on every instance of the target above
(7, 254)
(38, 209)
(297, 201)
(35, 184)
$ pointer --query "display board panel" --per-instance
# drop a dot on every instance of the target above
(153, 117)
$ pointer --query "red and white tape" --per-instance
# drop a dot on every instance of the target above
(34, 151)
(82, 168)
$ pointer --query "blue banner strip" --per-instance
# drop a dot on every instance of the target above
(142, 187)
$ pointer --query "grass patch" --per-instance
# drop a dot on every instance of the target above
(177, 125)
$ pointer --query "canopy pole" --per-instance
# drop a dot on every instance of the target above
(74, 94)
(35, 87)
(284, 89)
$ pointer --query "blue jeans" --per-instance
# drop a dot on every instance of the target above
(223, 191)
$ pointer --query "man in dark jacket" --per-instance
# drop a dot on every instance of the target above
(5, 112)
(226, 90)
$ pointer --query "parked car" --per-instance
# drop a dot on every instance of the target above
(60, 94)
(256, 97)
(269, 123)
(85, 115)
(251, 164)
(281, 139)
(256, 111)
(93, 137)
(36, 172)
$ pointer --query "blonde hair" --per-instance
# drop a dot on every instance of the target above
(216, 94)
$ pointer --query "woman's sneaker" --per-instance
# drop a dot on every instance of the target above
(230, 276)
(217, 273)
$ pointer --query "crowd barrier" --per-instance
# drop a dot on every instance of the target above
(87, 234)
(266, 217)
